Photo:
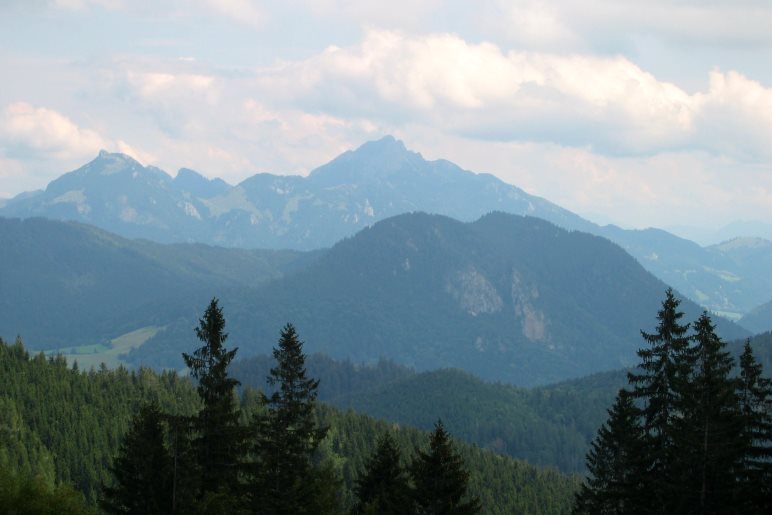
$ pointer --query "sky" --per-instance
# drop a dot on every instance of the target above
(640, 113)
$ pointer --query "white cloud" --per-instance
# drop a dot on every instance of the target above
(39, 143)
(607, 103)
(245, 12)
(570, 24)
(39, 130)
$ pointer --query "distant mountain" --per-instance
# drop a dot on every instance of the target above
(729, 279)
(194, 184)
(507, 298)
(759, 320)
(116, 193)
(378, 180)
(64, 283)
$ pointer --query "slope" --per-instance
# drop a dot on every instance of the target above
(508, 298)
(65, 284)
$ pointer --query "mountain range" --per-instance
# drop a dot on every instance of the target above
(360, 187)
(508, 298)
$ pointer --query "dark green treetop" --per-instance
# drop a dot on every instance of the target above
(615, 464)
(383, 487)
(755, 398)
(664, 374)
(220, 441)
(709, 440)
(142, 470)
(440, 478)
(287, 480)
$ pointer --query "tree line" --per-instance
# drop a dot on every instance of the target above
(220, 460)
(61, 427)
(686, 435)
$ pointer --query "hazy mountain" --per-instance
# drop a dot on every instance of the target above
(71, 284)
(730, 278)
(193, 183)
(360, 187)
(116, 193)
(506, 297)
(378, 180)
(759, 319)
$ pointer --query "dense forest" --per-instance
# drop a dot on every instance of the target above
(69, 436)
(549, 425)
(67, 429)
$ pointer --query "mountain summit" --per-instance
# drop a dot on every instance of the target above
(378, 180)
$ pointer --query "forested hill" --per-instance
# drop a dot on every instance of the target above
(507, 298)
(549, 425)
(93, 286)
(66, 425)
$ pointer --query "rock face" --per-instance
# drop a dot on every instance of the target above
(473, 292)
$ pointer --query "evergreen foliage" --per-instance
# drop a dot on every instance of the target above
(440, 478)
(80, 419)
(220, 441)
(142, 470)
(663, 374)
(755, 399)
(614, 463)
(709, 427)
(286, 479)
(697, 440)
(24, 494)
(383, 487)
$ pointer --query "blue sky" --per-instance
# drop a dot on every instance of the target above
(643, 113)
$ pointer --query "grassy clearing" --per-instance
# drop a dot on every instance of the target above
(93, 355)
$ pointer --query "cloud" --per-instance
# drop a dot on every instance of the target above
(608, 104)
(244, 12)
(25, 129)
(39, 143)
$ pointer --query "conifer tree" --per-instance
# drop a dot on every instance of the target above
(664, 375)
(383, 486)
(286, 480)
(755, 471)
(220, 441)
(615, 481)
(709, 428)
(440, 478)
(142, 471)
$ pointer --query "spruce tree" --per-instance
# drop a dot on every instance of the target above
(755, 470)
(615, 481)
(663, 377)
(286, 479)
(142, 471)
(220, 442)
(440, 478)
(383, 487)
(709, 428)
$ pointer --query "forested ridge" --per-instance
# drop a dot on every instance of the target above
(65, 426)
(548, 425)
